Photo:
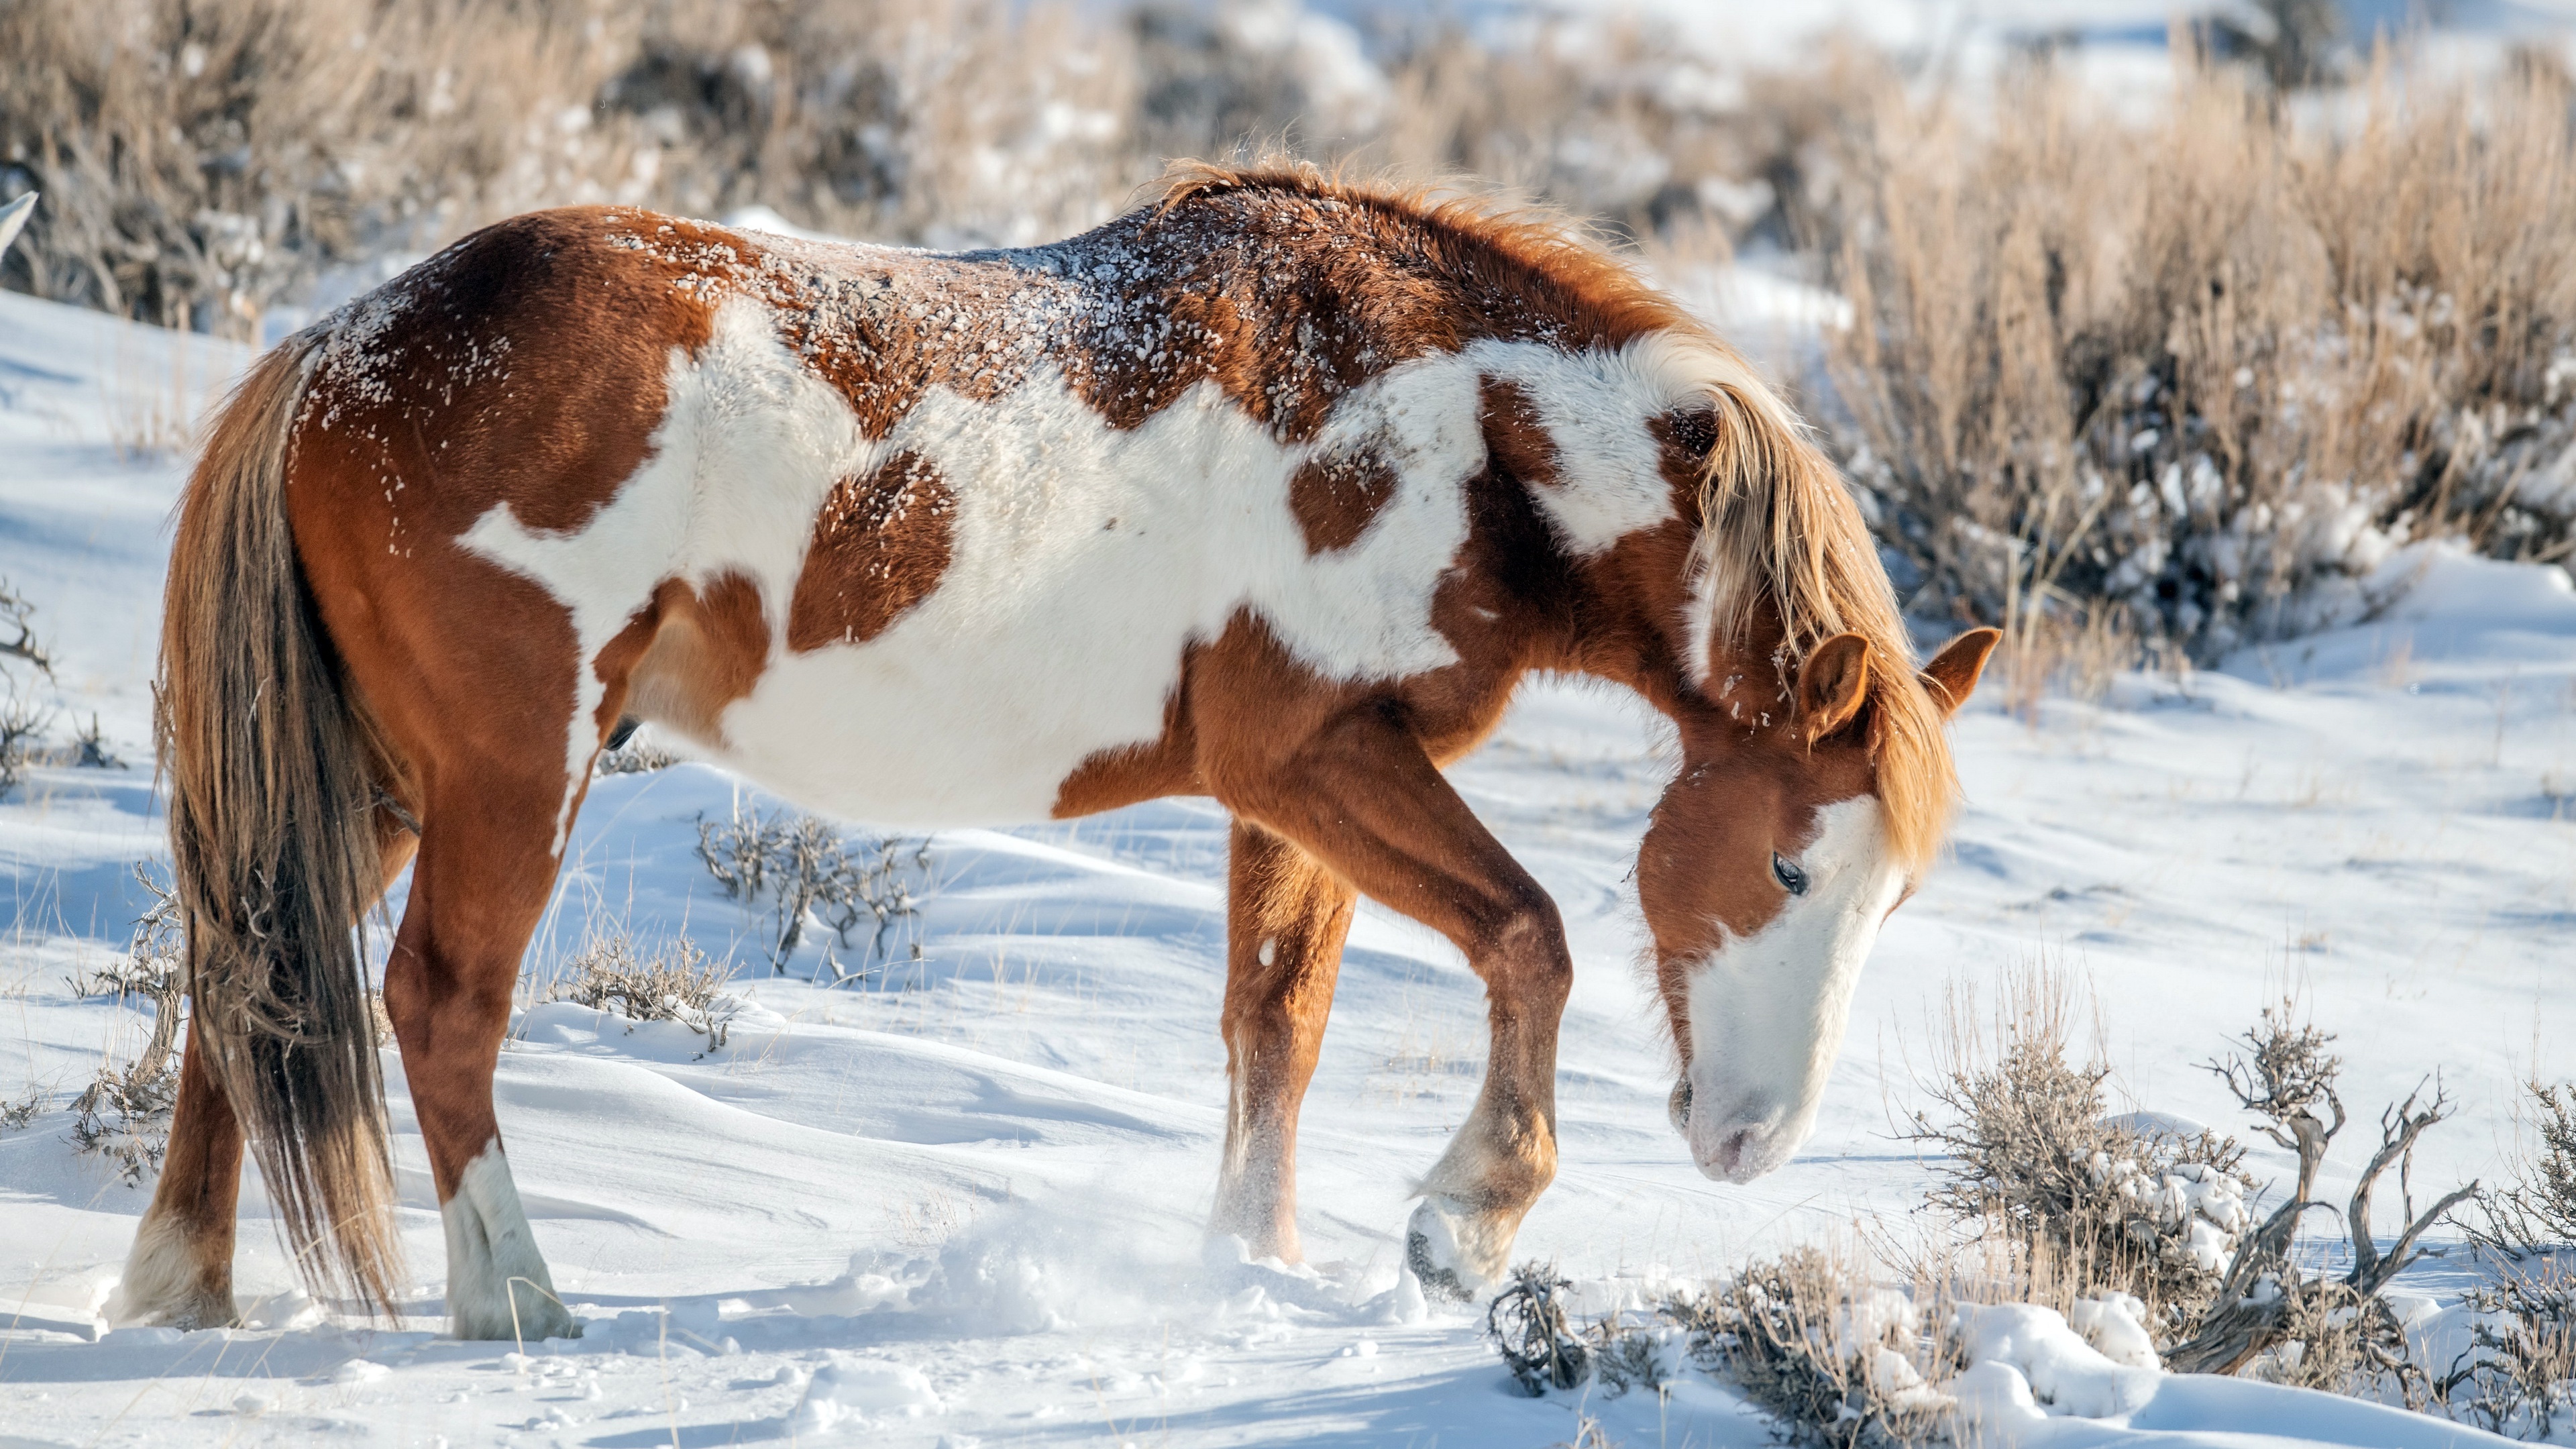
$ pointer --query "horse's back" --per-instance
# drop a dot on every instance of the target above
(872, 525)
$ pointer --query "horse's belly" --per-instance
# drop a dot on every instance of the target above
(896, 737)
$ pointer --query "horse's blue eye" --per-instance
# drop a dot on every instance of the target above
(1792, 879)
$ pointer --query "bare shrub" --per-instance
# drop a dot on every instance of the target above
(17, 616)
(2537, 1212)
(678, 982)
(124, 1113)
(2518, 1375)
(1840, 1361)
(23, 726)
(2086, 1203)
(15, 1115)
(1528, 1324)
(2332, 1332)
(806, 871)
(2194, 369)
(23, 721)
(92, 751)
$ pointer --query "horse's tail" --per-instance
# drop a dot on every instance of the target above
(274, 768)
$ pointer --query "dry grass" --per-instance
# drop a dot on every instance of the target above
(204, 159)
(2189, 368)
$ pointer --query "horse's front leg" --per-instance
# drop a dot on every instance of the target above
(1286, 917)
(1362, 797)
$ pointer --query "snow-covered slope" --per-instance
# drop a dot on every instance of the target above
(962, 1201)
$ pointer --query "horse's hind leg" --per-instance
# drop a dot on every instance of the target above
(1286, 920)
(180, 1272)
(487, 863)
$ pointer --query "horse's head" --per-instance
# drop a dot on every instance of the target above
(1768, 870)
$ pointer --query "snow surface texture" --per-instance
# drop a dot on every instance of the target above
(965, 1203)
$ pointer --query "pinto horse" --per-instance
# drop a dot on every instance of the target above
(1269, 491)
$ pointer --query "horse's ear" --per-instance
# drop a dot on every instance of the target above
(1832, 686)
(1952, 675)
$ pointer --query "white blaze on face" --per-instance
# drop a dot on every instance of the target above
(1767, 1011)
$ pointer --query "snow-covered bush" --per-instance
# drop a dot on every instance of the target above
(1529, 1327)
(638, 756)
(2084, 1202)
(2191, 368)
(678, 982)
(791, 870)
(1840, 1360)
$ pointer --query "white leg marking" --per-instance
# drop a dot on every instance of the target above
(161, 1284)
(1451, 1245)
(492, 1260)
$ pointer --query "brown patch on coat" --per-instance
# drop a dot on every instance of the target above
(880, 545)
(1336, 498)
(523, 366)
(1515, 439)
(691, 654)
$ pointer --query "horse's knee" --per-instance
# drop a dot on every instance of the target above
(1526, 965)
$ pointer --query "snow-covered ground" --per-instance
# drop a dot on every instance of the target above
(963, 1202)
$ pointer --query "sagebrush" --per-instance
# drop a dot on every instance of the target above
(2086, 1203)
(2536, 1213)
(674, 981)
(791, 870)
(2199, 370)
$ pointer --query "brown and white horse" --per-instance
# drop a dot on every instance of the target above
(1269, 492)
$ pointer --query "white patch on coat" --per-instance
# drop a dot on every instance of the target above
(1085, 560)
(492, 1257)
(161, 1285)
(750, 444)
(1053, 635)
(1767, 1011)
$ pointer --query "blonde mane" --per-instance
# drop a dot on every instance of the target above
(1777, 527)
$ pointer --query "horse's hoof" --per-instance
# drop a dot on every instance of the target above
(539, 1318)
(164, 1286)
(1440, 1246)
(1438, 1283)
